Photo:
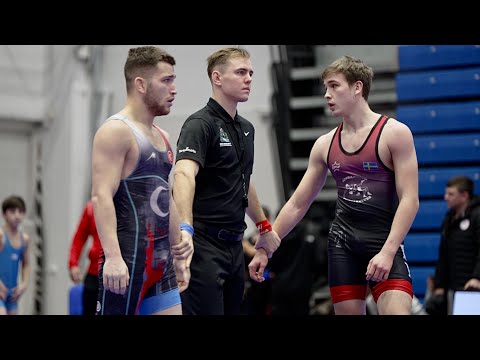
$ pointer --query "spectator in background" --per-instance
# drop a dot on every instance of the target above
(86, 228)
(458, 266)
(13, 251)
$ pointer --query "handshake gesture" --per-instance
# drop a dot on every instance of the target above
(268, 241)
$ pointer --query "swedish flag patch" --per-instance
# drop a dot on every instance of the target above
(370, 166)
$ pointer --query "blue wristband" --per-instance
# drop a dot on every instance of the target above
(187, 227)
(266, 273)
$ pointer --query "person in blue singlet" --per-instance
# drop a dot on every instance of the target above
(13, 255)
(143, 263)
(373, 161)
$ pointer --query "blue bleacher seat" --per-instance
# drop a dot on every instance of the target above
(441, 117)
(430, 215)
(75, 299)
(414, 57)
(422, 247)
(432, 181)
(452, 149)
(440, 84)
(438, 98)
(419, 276)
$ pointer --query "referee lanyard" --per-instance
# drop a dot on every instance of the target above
(239, 146)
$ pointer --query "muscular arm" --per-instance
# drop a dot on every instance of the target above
(399, 140)
(268, 241)
(110, 147)
(296, 207)
(183, 192)
(312, 182)
(184, 188)
(174, 225)
(254, 209)
(405, 164)
(182, 247)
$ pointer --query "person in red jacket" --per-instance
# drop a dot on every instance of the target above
(85, 229)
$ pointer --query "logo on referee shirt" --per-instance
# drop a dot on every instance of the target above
(224, 140)
(187, 149)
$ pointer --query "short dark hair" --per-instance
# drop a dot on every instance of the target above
(14, 202)
(141, 60)
(462, 183)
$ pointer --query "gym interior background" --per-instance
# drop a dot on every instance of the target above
(53, 98)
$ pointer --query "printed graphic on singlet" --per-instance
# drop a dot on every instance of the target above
(224, 140)
(337, 236)
(152, 156)
(157, 257)
(402, 247)
(158, 198)
(355, 189)
(335, 166)
(156, 261)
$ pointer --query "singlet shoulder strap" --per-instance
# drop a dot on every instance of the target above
(164, 136)
(90, 209)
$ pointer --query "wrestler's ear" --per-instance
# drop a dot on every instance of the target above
(140, 84)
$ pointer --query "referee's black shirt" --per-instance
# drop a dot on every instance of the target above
(215, 141)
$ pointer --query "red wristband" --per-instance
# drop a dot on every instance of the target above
(264, 227)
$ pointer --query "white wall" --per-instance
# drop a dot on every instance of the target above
(66, 161)
(22, 96)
